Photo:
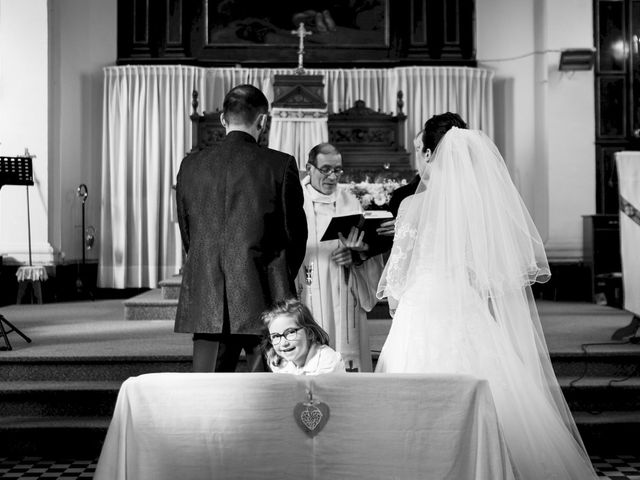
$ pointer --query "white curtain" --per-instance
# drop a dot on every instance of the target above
(296, 131)
(147, 132)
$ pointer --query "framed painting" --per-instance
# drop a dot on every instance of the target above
(257, 31)
(332, 23)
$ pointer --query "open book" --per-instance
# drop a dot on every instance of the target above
(368, 221)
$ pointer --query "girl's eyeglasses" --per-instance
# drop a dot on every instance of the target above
(289, 334)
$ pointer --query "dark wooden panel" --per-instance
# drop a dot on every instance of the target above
(606, 179)
(617, 92)
(601, 244)
(611, 35)
(149, 31)
(134, 29)
(450, 30)
(611, 103)
(141, 22)
(418, 23)
(174, 39)
(256, 33)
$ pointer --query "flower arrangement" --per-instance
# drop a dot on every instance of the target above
(374, 195)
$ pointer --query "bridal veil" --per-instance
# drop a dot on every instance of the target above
(467, 233)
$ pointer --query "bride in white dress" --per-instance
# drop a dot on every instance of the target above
(464, 256)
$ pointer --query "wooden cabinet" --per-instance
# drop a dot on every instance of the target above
(255, 33)
(370, 143)
(151, 31)
(601, 247)
(617, 92)
(441, 30)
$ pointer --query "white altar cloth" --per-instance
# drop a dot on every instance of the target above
(188, 426)
(628, 166)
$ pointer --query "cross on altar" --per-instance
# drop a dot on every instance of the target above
(301, 32)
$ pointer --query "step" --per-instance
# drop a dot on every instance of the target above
(600, 394)
(53, 437)
(596, 364)
(162, 304)
(170, 287)
(115, 369)
(58, 399)
(609, 432)
(150, 305)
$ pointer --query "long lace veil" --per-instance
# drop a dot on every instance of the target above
(469, 228)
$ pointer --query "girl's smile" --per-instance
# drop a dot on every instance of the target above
(289, 340)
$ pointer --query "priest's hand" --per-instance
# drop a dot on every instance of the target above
(354, 241)
(387, 229)
(342, 256)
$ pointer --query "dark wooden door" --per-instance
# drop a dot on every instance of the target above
(617, 92)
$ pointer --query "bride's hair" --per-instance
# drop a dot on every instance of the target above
(435, 128)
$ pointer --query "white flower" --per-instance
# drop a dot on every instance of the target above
(365, 200)
(378, 193)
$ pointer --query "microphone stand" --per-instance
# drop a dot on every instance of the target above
(81, 289)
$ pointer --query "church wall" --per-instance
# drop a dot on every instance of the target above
(23, 124)
(83, 41)
(544, 119)
(51, 99)
(570, 129)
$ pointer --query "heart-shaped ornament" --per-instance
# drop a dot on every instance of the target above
(311, 417)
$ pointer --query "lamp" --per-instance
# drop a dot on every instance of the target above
(576, 59)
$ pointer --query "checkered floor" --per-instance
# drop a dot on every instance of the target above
(622, 467)
(34, 468)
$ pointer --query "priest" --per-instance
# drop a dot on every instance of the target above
(338, 279)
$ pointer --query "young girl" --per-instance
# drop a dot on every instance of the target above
(295, 343)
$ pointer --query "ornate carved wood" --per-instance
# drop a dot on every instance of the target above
(298, 91)
(257, 33)
(368, 140)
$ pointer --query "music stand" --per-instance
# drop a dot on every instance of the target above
(14, 171)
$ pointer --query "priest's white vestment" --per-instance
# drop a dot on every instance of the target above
(339, 297)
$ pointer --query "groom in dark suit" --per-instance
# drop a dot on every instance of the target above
(245, 232)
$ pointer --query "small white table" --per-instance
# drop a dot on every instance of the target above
(241, 426)
(31, 275)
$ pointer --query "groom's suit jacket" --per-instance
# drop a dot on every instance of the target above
(241, 217)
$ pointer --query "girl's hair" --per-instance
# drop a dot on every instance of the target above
(302, 315)
(435, 128)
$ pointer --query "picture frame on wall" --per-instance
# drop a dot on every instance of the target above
(253, 31)
(331, 23)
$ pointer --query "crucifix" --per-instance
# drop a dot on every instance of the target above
(301, 32)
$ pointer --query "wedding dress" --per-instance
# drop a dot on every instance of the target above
(464, 256)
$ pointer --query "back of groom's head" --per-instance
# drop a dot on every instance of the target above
(243, 104)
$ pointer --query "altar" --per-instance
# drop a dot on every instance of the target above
(159, 134)
(253, 426)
